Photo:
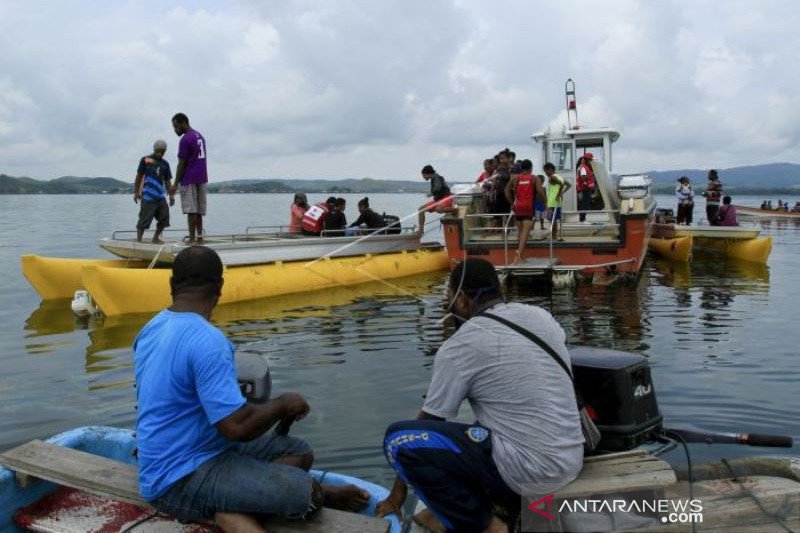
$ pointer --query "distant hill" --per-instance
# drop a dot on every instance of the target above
(772, 178)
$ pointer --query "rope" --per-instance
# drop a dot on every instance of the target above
(155, 258)
(778, 517)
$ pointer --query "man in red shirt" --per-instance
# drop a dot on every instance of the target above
(585, 184)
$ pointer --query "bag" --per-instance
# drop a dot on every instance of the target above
(591, 433)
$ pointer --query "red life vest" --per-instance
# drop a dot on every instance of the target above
(524, 194)
(314, 218)
(587, 182)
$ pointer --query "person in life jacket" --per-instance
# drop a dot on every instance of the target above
(314, 218)
(521, 192)
(585, 184)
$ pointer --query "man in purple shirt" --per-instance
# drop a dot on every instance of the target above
(191, 176)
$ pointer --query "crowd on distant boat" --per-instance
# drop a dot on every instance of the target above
(766, 205)
(719, 209)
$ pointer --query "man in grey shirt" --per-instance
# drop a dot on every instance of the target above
(527, 434)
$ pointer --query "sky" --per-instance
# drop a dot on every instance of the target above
(352, 88)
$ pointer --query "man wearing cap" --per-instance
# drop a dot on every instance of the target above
(585, 184)
(204, 452)
(152, 183)
(527, 438)
(191, 176)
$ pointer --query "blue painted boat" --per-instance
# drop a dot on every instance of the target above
(118, 444)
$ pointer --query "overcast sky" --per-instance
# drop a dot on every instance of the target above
(338, 88)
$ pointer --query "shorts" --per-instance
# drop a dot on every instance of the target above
(150, 210)
(551, 216)
(243, 479)
(193, 198)
(445, 203)
(520, 218)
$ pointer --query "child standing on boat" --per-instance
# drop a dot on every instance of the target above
(685, 195)
(153, 181)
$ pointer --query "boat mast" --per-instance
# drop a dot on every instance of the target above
(572, 105)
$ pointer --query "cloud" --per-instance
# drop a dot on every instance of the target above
(356, 88)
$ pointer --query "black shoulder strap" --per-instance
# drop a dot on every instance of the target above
(532, 336)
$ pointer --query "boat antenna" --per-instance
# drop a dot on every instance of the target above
(572, 105)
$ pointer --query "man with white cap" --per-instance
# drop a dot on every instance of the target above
(153, 180)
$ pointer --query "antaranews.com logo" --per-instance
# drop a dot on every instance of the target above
(608, 512)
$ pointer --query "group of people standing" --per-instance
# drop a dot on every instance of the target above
(154, 183)
(717, 214)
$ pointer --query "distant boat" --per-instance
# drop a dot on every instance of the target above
(757, 212)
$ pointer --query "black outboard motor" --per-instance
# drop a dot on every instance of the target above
(616, 387)
(392, 224)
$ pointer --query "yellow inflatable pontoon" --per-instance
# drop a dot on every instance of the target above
(677, 249)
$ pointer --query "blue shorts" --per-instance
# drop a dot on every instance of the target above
(550, 215)
(245, 480)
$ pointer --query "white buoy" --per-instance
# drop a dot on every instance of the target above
(82, 304)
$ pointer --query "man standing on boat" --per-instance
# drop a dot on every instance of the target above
(713, 194)
(204, 452)
(191, 176)
(556, 187)
(153, 180)
(442, 198)
(585, 185)
(528, 434)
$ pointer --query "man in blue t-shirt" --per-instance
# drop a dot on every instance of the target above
(204, 452)
(153, 178)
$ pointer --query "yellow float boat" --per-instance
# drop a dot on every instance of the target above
(675, 249)
(118, 290)
(753, 250)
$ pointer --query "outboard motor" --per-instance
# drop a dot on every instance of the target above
(617, 388)
(255, 381)
(392, 223)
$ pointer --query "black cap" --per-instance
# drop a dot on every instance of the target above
(428, 169)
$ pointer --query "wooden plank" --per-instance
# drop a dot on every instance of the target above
(620, 473)
(119, 481)
(616, 455)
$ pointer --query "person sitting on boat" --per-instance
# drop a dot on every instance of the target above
(796, 208)
(442, 201)
(336, 223)
(726, 216)
(521, 192)
(763, 205)
(556, 187)
(367, 218)
(204, 452)
(713, 194)
(314, 219)
(153, 182)
(769, 205)
(527, 437)
(297, 211)
(780, 205)
(685, 195)
(585, 184)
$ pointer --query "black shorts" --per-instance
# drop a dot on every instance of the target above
(520, 218)
(451, 468)
(150, 210)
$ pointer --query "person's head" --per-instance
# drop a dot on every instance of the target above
(473, 283)
(489, 165)
(504, 158)
(549, 169)
(180, 123)
(540, 178)
(340, 204)
(197, 273)
(331, 201)
(726, 200)
(300, 199)
(683, 180)
(712, 175)
(363, 205)
(587, 157)
(159, 148)
(526, 166)
(428, 172)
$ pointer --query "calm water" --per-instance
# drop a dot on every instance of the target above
(720, 334)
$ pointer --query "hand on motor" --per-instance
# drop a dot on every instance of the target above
(295, 406)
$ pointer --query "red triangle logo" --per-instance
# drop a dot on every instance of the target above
(548, 501)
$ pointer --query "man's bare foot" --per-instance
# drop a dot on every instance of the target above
(496, 526)
(199, 241)
(345, 497)
(426, 519)
(157, 241)
(238, 523)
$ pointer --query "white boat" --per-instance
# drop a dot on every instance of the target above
(254, 248)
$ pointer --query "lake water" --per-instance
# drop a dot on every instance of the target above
(719, 334)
